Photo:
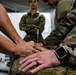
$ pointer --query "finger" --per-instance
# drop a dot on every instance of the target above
(29, 66)
(35, 51)
(36, 69)
(41, 48)
(39, 44)
(28, 57)
(32, 49)
(31, 43)
(25, 64)
(30, 60)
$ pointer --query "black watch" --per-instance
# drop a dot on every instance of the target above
(61, 53)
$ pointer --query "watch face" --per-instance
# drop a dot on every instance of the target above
(61, 52)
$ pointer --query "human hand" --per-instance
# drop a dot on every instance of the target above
(24, 48)
(38, 45)
(45, 59)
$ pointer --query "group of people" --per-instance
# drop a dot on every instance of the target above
(63, 37)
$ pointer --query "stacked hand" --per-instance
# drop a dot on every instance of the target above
(44, 59)
(24, 47)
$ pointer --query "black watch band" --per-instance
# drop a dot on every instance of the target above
(61, 53)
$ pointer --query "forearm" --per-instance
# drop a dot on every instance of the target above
(66, 25)
(7, 46)
(6, 26)
(30, 28)
(22, 23)
(22, 26)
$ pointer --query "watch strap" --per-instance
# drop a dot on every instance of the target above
(63, 59)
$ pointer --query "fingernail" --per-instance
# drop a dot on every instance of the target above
(19, 69)
(32, 71)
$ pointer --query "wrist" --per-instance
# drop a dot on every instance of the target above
(62, 54)
(15, 50)
(20, 41)
(17, 40)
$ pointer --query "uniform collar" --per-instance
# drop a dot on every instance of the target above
(35, 13)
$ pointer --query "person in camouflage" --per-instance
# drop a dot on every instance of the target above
(65, 21)
(62, 28)
(33, 23)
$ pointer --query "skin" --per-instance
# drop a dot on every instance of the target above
(46, 58)
(14, 46)
(33, 6)
(8, 47)
(52, 2)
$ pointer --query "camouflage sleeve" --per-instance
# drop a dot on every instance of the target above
(41, 23)
(31, 28)
(26, 27)
(69, 44)
(66, 25)
(22, 23)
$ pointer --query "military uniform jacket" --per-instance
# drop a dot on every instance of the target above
(69, 42)
(65, 27)
(63, 23)
(30, 24)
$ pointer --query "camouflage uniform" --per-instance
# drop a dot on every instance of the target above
(30, 24)
(62, 28)
(65, 21)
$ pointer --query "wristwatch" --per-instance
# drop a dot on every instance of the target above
(61, 53)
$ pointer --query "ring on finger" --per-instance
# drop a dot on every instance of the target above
(37, 63)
